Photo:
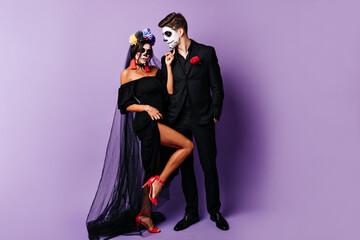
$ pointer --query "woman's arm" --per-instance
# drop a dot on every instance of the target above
(169, 57)
(153, 112)
(137, 108)
(170, 80)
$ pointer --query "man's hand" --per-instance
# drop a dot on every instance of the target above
(215, 120)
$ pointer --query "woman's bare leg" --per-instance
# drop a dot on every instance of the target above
(146, 207)
(171, 138)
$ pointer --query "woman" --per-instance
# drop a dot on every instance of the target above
(143, 91)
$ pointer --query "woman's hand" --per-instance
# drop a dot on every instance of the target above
(153, 113)
(169, 57)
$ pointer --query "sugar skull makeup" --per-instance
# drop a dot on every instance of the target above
(143, 55)
(146, 51)
(171, 37)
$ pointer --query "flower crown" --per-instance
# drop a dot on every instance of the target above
(141, 36)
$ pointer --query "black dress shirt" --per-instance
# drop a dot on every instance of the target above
(185, 65)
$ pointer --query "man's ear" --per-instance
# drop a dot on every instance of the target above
(181, 31)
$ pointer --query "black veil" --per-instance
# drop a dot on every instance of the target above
(118, 197)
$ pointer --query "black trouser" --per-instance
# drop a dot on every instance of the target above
(204, 136)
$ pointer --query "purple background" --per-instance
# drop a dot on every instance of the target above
(288, 140)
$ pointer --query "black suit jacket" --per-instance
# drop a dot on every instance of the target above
(202, 85)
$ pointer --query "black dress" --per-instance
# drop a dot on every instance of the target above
(149, 90)
(119, 195)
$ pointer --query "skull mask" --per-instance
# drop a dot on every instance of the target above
(171, 37)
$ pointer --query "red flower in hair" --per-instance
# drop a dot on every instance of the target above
(195, 60)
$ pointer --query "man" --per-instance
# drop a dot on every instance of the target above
(193, 111)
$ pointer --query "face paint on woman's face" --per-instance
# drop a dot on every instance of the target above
(171, 37)
(144, 54)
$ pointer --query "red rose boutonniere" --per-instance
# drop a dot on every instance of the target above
(195, 60)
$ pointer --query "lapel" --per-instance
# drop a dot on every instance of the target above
(194, 52)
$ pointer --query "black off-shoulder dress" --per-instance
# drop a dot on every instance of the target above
(149, 90)
(119, 195)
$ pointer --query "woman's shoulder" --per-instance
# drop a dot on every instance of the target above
(156, 71)
(125, 76)
(153, 69)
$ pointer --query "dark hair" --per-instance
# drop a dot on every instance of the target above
(137, 47)
(174, 21)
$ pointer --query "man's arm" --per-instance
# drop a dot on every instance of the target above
(216, 85)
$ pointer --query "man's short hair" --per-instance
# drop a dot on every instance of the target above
(174, 21)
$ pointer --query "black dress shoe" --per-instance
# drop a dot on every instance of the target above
(221, 223)
(187, 221)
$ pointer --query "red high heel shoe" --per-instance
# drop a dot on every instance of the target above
(150, 182)
(155, 229)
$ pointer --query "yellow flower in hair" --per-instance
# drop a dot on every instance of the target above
(133, 40)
